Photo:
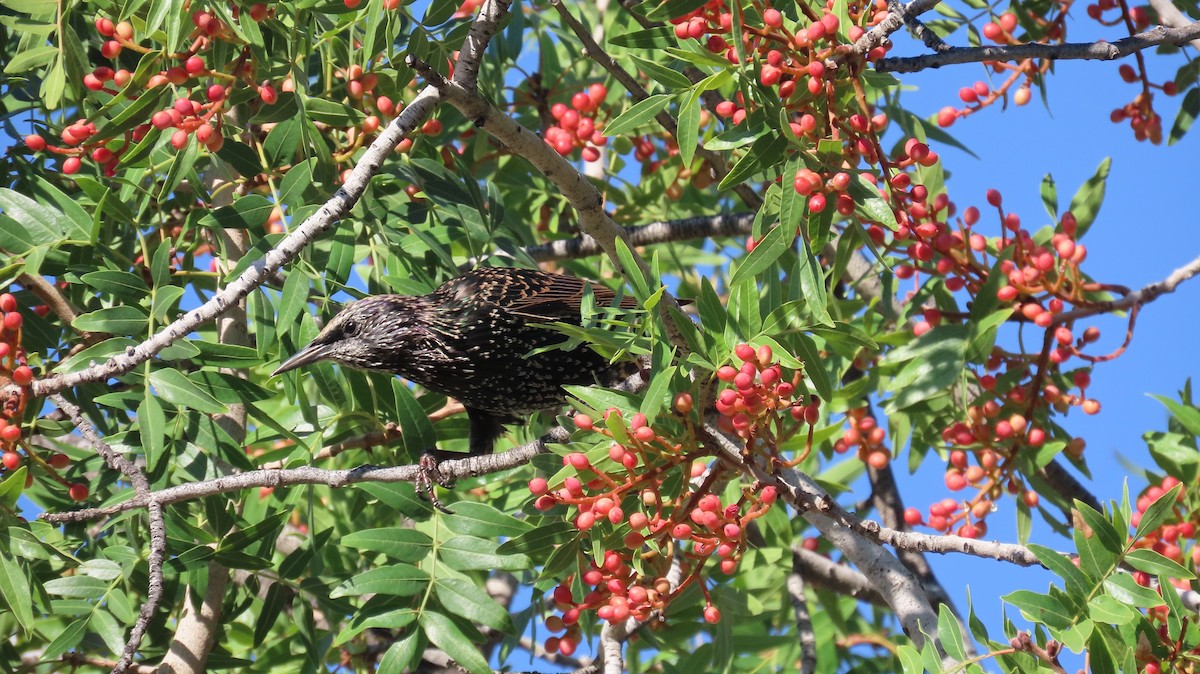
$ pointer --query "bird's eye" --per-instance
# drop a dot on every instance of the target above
(349, 329)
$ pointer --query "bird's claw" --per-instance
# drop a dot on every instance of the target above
(427, 476)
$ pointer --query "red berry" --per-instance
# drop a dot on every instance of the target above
(12, 460)
(8, 302)
(194, 65)
(78, 492)
(72, 165)
(23, 375)
(216, 92)
(711, 615)
(59, 460)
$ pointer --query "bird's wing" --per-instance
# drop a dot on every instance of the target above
(542, 297)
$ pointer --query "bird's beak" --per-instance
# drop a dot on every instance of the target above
(306, 356)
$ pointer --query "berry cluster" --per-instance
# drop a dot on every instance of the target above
(1041, 280)
(15, 378)
(647, 495)
(186, 116)
(575, 124)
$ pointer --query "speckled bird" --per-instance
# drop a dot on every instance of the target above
(469, 340)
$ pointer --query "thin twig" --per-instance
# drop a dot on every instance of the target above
(1102, 50)
(158, 526)
(279, 477)
(699, 227)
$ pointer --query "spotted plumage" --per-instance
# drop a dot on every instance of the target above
(469, 340)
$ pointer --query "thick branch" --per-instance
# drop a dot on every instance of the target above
(1169, 15)
(1104, 51)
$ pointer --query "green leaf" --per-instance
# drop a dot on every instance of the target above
(444, 634)
(765, 152)
(401, 656)
(66, 640)
(1144, 559)
(249, 212)
(468, 553)
(113, 635)
(282, 143)
(774, 244)
(401, 497)
(480, 519)
(672, 79)
(1040, 608)
(14, 586)
(404, 545)
(33, 57)
(1125, 589)
(1086, 202)
(871, 206)
(39, 223)
(120, 320)
(417, 435)
(77, 587)
(464, 599)
(1188, 416)
(640, 113)
(398, 579)
(11, 487)
(119, 283)
(1158, 512)
(688, 126)
(241, 158)
(278, 596)
(538, 542)
(333, 113)
(949, 633)
(1104, 608)
(1076, 583)
(650, 38)
(1050, 196)
(298, 179)
(185, 162)
(934, 362)
(1188, 110)
(165, 299)
(178, 390)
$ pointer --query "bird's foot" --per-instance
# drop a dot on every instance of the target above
(428, 475)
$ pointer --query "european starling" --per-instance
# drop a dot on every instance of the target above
(470, 339)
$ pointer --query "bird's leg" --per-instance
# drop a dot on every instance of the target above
(485, 428)
(428, 475)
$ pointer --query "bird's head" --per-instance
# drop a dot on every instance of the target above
(371, 334)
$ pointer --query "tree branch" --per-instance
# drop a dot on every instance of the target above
(804, 627)
(158, 527)
(1104, 51)
(281, 477)
(699, 227)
